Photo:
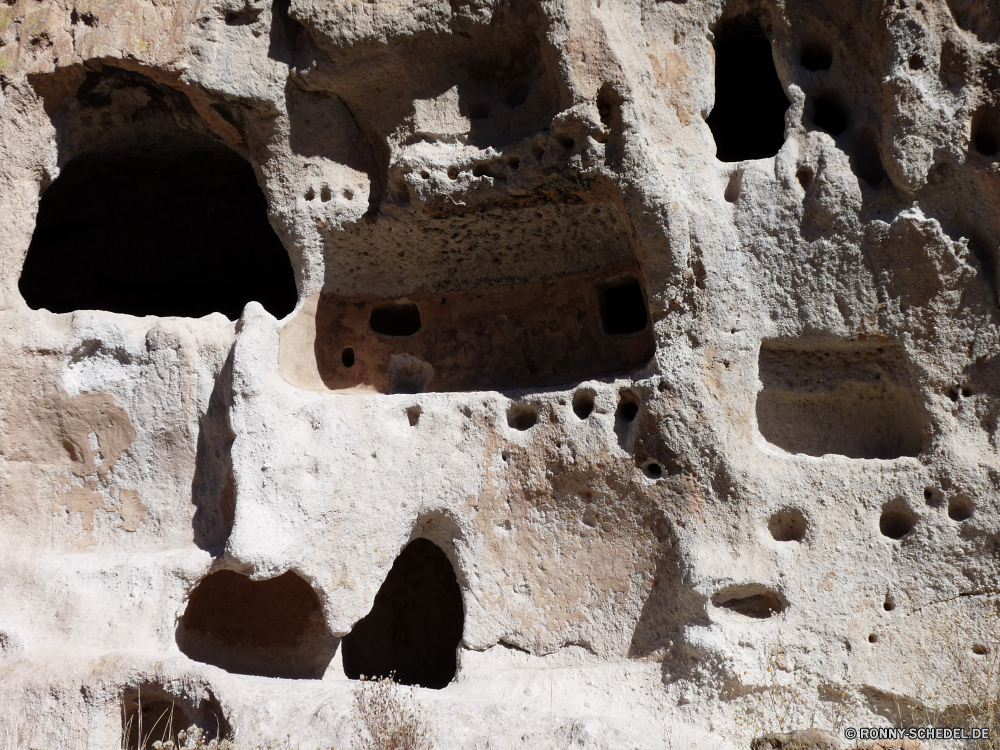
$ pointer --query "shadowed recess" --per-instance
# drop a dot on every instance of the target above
(415, 624)
(271, 628)
(852, 399)
(748, 120)
(172, 227)
(152, 714)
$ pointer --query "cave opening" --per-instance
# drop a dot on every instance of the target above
(415, 625)
(748, 120)
(172, 226)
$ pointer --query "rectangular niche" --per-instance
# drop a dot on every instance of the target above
(848, 398)
(496, 338)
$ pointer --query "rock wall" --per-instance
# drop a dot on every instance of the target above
(626, 374)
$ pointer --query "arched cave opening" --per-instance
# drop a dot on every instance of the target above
(150, 714)
(174, 226)
(415, 624)
(270, 628)
(748, 120)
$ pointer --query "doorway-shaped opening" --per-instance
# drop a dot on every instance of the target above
(271, 628)
(175, 226)
(415, 624)
(748, 120)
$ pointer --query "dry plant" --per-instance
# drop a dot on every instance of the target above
(384, 717)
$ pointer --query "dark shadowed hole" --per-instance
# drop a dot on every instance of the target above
(986, 143)
(347, 357)
(271, 628)
(748, 120)
(816, 57)
(872, 638)
(933, 496)
(753, 601)
(415, 624)
(787, 525)
(401, 319)
(805, 176)
(151, 714)
(413, 414)
(916, 62)
(980, 650)
(583, 403)
(866, 161)
(177, 228)
(960, 508)
(652, 470)
(628, 407)
(829, 116)
(623, 309)
(889, 604)
(986, 131)
(522, 416)
(897, 520)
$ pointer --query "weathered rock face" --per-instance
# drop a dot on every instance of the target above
(627, 371)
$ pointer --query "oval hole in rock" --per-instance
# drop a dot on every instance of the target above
(734, 187)
(653, 470)
(752, 600)
(788, 525)
(583, 403)
(980, 650)
(830, 116)
(748, 118)
(889, 604)
(872, 638)
(897, 519)
(399, 319)
(628, 407)
(347, 357)
(176, 227)
(522, 416)
(960, 508)
(415, 624)
(270, 628)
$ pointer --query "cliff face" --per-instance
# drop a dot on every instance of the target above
(625, 373)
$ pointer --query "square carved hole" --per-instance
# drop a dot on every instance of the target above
(849, 398)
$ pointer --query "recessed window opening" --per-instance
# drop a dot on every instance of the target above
(623, 309)
(830, 116)
(177, 227)
(866, 160)
(270, 628)
(400, 319)
(415, 624)
(753, 600)
(748, 120)
(151, 714)
(816, 56)
(347, 357)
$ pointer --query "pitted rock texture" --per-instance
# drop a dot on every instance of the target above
(622, 374)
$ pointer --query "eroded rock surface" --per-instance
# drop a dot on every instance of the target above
(662, 337)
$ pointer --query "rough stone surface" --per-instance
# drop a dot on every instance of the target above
(711, 446)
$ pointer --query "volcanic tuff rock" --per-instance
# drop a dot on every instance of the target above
(625, 373)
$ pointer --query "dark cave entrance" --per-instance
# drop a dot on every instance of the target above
(748, 120)
(176, 226)
(415, 624)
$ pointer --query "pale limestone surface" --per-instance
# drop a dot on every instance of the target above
(592, 590)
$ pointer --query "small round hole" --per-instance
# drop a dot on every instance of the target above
(310, 194)
(897, 520)
(889, 604)
(424, 174)
(916, 62)
(805, 176)
(565, 141)
(787, 525)
(347, 357)
(583, 403)
(652, 470)
(452, 173)
(960, 508)
(967, 391)
(952, 393)
(522, 416)
(325, 194)
(872, 638)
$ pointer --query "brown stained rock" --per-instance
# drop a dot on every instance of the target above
(800, 739)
